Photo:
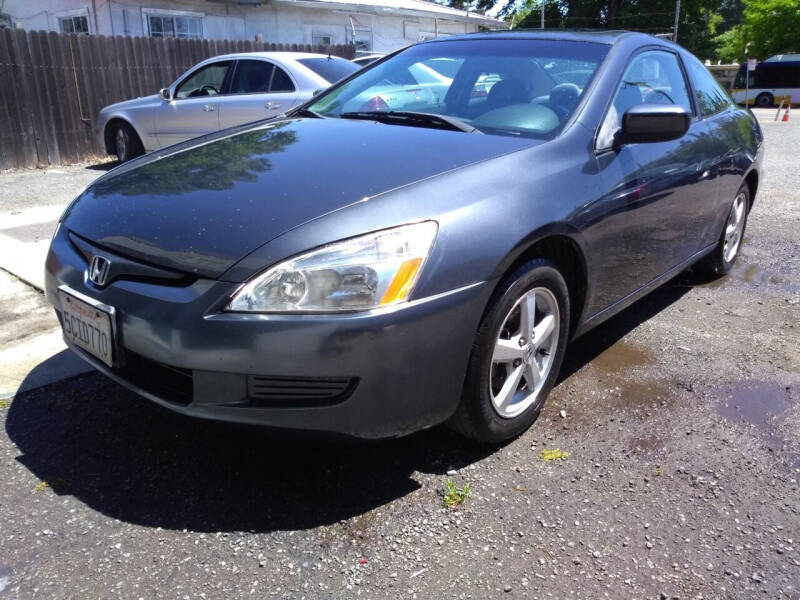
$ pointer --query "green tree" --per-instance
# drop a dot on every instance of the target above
(698, 24)
(772, 27)
(768, 27)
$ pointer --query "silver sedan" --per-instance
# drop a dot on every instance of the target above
(217, 93)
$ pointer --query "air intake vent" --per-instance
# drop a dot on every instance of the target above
(298, 391)
(172, 384)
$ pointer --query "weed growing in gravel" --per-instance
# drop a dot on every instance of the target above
(554, 454)
(42, 486)
(453, 496)
(5, 403)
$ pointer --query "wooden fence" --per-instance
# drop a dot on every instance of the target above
(52, 85)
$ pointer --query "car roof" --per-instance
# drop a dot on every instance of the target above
(580, 35)
(274, 55)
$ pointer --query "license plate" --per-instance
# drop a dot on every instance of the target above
(88, 327)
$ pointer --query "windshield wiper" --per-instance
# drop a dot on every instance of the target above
(307, 112)
(404, 117)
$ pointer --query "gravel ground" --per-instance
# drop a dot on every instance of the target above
(679, 417)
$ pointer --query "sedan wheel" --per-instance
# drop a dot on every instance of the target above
(523, 353)
(721, 260)
(734, 228)
(122, 144)
(127, 144)
(517, 354)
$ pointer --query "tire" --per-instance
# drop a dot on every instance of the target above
(724, 256)
(486, 413)
(127, 144)
(765, 100)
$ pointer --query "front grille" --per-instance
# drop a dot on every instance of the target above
(173, 384)
(263, 390)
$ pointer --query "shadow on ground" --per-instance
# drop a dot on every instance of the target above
(140, 463)
(103, 166)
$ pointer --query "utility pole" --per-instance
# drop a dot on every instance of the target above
(543, 14)
(677, 15)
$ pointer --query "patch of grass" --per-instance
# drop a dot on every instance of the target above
(454, 496)
(554, 454)
(52, 482)
(5, 403)
(657, 471)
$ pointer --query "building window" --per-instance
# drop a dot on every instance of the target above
(321, 39)
(361, 38)
(79, 24)
(175, 26)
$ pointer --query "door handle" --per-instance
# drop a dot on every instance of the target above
(272, 105)
(209, 107)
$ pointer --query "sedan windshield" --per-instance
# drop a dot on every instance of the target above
(501, 86)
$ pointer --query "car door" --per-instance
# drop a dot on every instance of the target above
(661, 193)
(259, 89)
(194, 108)
(733, 135)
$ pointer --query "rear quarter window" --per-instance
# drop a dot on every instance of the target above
(330, 69)
(710, 96)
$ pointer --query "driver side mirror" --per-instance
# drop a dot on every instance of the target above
(165, 93)
(647, 123)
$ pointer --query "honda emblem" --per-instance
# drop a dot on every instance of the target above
(98, 270)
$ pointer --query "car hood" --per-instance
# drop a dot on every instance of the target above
(142, 100)
(200, 207)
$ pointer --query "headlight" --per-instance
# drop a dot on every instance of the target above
(372, 270)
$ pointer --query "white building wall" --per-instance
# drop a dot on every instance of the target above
(280, 24)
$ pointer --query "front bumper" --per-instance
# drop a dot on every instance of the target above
(373, 374)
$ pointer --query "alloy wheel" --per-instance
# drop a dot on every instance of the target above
(122, 144)
(524, 352)
(734, 228)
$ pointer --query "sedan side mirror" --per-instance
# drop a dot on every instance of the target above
(165, 93)
(645, 123)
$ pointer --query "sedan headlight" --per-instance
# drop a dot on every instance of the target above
(372, 270)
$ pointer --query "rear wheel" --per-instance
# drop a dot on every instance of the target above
(127, 144)
(722, 259)
(517, 354)
(765, 100)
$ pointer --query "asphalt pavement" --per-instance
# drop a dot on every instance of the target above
(677, 473)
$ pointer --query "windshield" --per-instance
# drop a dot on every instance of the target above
(501, 86)
(330, 69)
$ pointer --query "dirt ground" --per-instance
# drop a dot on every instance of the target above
(679, 420)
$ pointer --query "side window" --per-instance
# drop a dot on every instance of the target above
(281, 82)
(711, 99)
(251, 77)
(206, 81)
(653, 77)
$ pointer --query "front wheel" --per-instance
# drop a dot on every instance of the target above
(765, 100)
(517, 354)
(722, 259)
(127, 144)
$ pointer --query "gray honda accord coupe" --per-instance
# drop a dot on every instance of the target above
(373, 267)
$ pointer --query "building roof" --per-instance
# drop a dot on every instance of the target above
(418, 8)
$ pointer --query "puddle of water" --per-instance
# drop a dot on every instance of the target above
(754, 275)
(757, 404)
(621, 356)
(637, 394)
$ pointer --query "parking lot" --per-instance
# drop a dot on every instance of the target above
(678, 477)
